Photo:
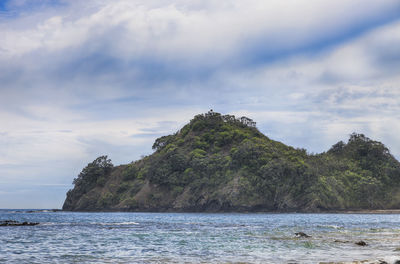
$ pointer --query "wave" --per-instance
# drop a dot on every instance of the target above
(331, 226)
(86, 224)
(120, 223)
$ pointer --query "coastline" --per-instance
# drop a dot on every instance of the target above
(355, 211)
(366, 211)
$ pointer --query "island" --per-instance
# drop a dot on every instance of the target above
(220, 163)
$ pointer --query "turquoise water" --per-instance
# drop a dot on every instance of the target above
(66, 237)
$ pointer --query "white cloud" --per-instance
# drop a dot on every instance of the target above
(180, 30)
(313, 101)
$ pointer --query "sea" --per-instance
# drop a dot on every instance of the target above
(112, 237)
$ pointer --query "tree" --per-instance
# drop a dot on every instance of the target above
(162, 142)
(100, 167)
(338, 147)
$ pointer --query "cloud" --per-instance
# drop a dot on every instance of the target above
(171, 50)
(313, 101)
(193, 37)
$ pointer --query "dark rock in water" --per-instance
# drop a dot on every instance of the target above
(341, 241)
(397, 262)
(8, 222)
(16, 223)
(301, 234)
(361, 243)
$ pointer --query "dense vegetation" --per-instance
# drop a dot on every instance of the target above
(220, 163)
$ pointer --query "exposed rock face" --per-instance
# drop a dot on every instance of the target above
(221, 163)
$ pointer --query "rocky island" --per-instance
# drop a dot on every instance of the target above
(220, 163)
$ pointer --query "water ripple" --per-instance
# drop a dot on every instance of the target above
(65, 237)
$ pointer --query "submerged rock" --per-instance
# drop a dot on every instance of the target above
(361, 243)
(301, 234)
(341, 241)
(16, 223)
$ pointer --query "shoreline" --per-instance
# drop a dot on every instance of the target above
(367, 211)
(363, 211)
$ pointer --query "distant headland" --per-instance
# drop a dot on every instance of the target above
(220, 163)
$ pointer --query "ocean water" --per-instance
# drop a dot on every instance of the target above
(69, 237)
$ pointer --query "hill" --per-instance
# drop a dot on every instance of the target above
(221, 163)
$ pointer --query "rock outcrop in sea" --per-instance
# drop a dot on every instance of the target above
(16, 223)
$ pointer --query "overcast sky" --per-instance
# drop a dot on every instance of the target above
(79, 79)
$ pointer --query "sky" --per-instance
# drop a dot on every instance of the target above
(80, 79)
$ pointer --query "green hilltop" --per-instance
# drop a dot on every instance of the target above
(219, 163)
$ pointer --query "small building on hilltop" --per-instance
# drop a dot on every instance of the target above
(247, 121)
